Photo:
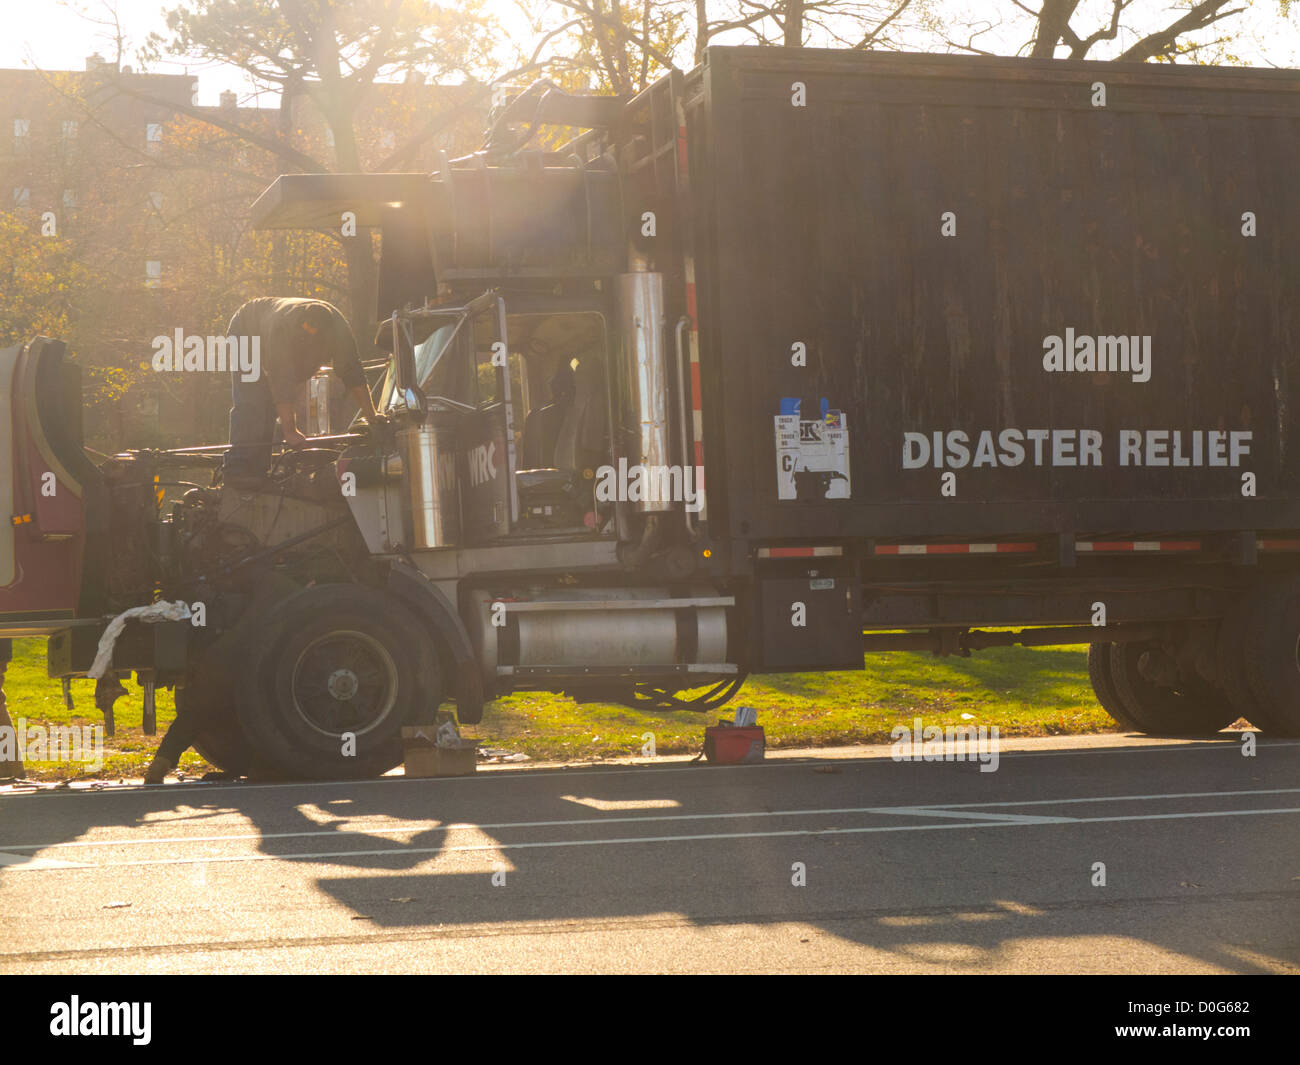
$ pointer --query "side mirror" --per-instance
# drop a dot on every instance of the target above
(404, 360)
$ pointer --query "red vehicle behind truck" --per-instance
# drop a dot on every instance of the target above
(801, 355)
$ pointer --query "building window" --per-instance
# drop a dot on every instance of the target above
(329, 137)
(153, 136)
(22, 126)
(22, 197)
(70, 130)
(388, 140)
(69, 199)
(153, 274)
(155, 201)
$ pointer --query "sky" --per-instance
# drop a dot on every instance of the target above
(51, 35)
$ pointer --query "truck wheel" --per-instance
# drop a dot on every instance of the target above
(1272, 657)
(1197, 709)
(338, 670)
(1103, 685)
(1231, 660)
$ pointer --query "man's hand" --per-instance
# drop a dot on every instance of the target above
(289, 426)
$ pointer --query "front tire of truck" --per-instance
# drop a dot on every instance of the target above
(338, 671)
(1272, 657)
(1195, 708)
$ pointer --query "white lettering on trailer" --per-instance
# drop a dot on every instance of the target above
(958, 449)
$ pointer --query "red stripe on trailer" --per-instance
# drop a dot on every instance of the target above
(697, 400)
(799, 552)
(1137, 545)
(1011, 547)
(1277, 545)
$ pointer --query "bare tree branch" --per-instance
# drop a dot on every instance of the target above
(1162, 42)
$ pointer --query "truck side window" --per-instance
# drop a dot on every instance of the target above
(487, 376)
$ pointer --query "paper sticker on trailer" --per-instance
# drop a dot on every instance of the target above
(812, 454)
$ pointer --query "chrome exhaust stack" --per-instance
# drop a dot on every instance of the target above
(645, 352)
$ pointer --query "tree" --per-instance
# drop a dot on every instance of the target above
(791, 23)
(1132, 31)
(41, 278)
(327, 59)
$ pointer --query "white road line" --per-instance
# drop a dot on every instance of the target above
(1019, 819)
(935, 810)
(1113, 798)
(28, 861)
(619, 841)
(538, 772)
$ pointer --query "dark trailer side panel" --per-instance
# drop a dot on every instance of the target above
(924, 225)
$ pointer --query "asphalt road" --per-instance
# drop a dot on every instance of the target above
(669, 867)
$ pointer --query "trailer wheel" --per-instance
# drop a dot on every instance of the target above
(338, 670)
(1195, 709)
(1103, 685)
(1272, 657)
(1230, 654)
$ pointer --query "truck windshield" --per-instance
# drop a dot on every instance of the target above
(428, 354)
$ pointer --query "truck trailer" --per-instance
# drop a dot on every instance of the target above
(798, 356)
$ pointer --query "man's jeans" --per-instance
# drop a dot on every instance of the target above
(252, 427)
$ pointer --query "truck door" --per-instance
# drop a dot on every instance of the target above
(45, 479)
(490, 504)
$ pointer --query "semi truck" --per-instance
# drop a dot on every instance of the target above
(799, 356)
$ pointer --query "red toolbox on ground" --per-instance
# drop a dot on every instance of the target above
(728, 745)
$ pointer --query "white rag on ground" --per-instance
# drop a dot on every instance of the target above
(160, 611)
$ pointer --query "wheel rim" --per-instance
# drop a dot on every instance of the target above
(344, 681)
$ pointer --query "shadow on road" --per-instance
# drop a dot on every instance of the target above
(711, 847)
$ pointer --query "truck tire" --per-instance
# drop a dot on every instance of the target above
(1103, 685)
(1197, 709)
(1272, 657)
(1231, 660)
(332, 660)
